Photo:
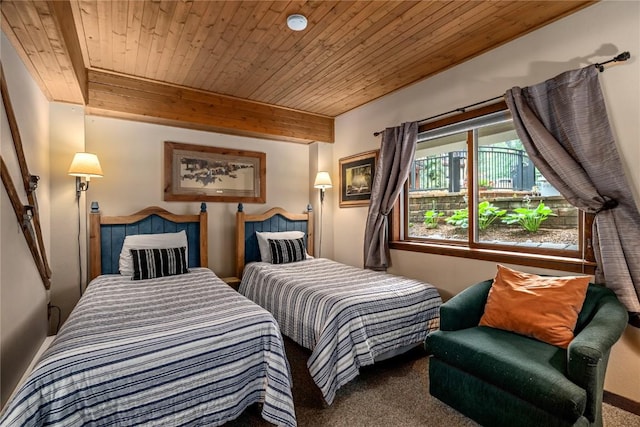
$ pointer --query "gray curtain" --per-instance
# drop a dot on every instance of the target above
(564, 127)
(394, 162)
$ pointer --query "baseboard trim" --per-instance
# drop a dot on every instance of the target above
(621, 402)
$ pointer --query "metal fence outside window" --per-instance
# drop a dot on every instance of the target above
(498, 168)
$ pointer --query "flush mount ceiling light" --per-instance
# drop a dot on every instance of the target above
(297, 22)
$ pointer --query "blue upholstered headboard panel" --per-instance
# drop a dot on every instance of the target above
(112, 237)
(275, 219)
(275, 223)
(107, 234)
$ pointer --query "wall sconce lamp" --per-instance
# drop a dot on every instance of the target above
(323, 181)
(84, 165)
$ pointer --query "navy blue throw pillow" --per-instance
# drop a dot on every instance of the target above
(150, 263)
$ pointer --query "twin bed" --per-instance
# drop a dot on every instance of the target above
(348, 317)
(181, 347)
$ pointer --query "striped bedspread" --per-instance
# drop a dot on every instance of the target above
(346, 315)
(182, 350)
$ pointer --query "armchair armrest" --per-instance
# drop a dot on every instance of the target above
(465, 309)
(588, 352)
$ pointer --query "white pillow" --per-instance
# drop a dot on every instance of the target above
(149, 241)
(263, 241)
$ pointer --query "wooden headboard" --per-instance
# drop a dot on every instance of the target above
(275, 219)
(107, 233)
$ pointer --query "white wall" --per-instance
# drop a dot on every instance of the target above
(320, 155)
(23, 300)
(131, 155)
(594, 34)
(67, 138)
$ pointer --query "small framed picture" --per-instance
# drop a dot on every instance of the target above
(211, 174)
(356, 178)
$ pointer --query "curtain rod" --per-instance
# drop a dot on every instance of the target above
(600, 66)
(622, 57)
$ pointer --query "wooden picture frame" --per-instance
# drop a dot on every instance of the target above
(199, 173)
(356, 178)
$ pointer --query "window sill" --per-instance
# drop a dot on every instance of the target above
(573, 265)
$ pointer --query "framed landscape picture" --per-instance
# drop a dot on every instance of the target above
(356, 178)
(199, 173)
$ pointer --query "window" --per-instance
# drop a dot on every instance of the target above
(474, 192)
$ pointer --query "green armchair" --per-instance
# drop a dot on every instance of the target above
(500, 378)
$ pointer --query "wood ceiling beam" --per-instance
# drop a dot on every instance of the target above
(62, 14)
(119, 96)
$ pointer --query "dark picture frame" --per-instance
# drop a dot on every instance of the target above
(195, 173)
(356, 178)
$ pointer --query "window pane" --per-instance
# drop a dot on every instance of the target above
(437, 189)
(516, 205)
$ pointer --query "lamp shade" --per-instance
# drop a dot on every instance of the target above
(85, 165)
(323, 180)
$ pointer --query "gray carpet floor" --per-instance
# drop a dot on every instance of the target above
(394, 392)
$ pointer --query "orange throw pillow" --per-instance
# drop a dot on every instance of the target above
(545, 308)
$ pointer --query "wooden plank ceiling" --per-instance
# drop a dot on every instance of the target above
(234, 66)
